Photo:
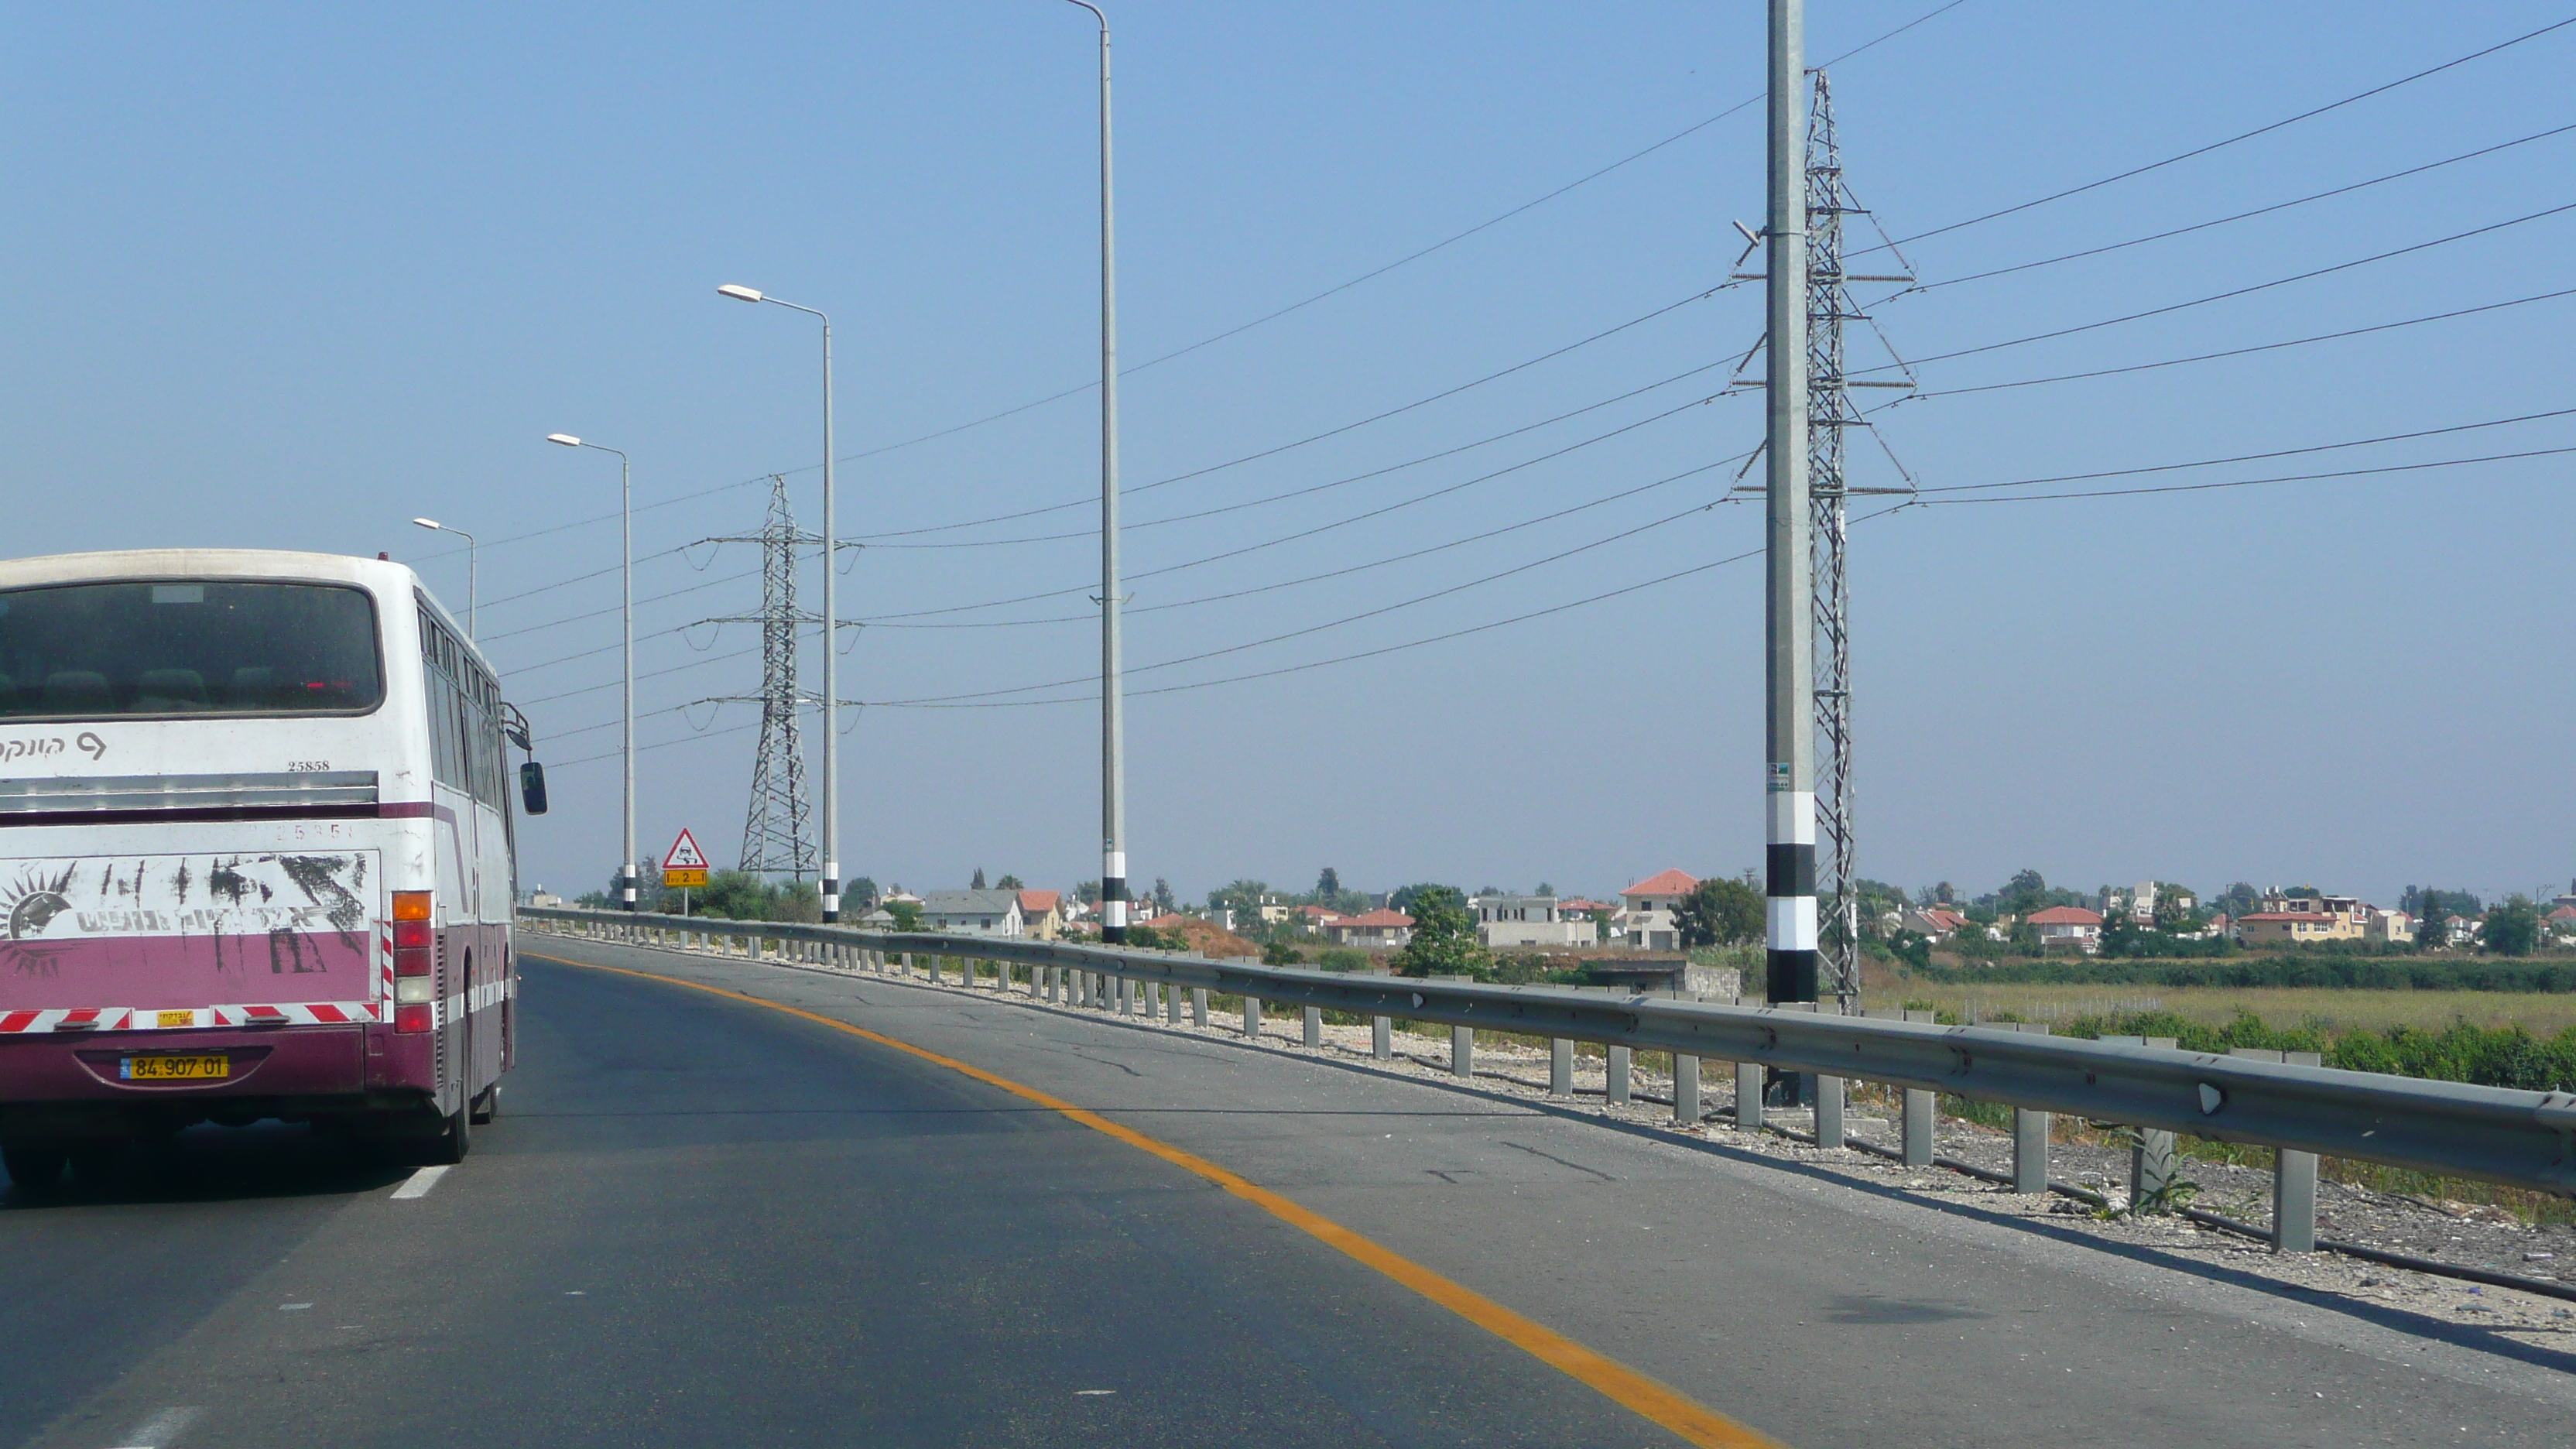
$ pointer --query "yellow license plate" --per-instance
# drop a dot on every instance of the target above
(174, 1069)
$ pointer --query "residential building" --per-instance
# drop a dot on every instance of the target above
(1313, 919)
(974, 913)
(1938, 923)
(1379, 927)
(1646, 922)
(2068, 928)
(2287, 920)
(1503, 921)
(1042, 914)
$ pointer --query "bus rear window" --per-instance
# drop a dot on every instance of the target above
(183, 647)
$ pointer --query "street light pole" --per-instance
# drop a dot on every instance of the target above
(473, 569)
(1113, 707)
(831, 644)
(626, 548)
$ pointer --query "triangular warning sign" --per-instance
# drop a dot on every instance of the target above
(685, 854)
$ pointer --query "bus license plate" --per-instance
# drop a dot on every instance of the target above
(174, 1069)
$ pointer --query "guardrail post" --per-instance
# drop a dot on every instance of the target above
(1560, 1066)
(1829, 1095)
(1198, 1006)
(1171, 1006)
(934, 972)
(1748, 1096)
(1252, 1018)
(2294, 1173)
(1462, 1052)
(2030, 1130)
(1617, 1091)
(1314, 1026)
(1382, 1038)
(1685, 1090)
(1123, 996)
(1918, 1116)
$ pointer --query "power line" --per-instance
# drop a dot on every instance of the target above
(2236, 292)
(1088, 533)
(1403, 261)
(2243, 215)
(2231, 140)
(2247, 482)
(2242, 351)
(1337, 623)
(1322, 528)
(2258, 457)
(613, 608)
(1624, 493)
(1316, 437)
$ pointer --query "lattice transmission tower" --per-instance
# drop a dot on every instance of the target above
(778, 827)
(1831, 415)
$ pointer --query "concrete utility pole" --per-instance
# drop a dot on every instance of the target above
(1113, 708)
(1789, 779)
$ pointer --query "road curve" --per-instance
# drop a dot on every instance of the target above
(703, 1221)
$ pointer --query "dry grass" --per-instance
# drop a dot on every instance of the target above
(2542, 1013)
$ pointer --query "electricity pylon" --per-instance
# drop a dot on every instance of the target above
(778, 826)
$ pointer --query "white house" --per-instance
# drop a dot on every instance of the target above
(1529, 921)
(1647, 920)
(974, 913)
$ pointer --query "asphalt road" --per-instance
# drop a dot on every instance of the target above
(700, 1221)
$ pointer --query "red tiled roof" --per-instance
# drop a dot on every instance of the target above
(1379, 917)
(1038, 903)
(2563, 913)
(1320, 913)
(1669, 883)
(1583, 907)
(1950, 920)
(2066, 916)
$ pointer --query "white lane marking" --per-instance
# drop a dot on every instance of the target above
(1092, 1393)
(419, 1183)
(292, 1307)
(161, 1428)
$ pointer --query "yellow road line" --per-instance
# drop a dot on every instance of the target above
(1623, 1385)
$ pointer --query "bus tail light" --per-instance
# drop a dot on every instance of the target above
(415, 948)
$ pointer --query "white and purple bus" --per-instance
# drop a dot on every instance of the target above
(256, 854)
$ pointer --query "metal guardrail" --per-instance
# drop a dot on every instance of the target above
(2526, 1139)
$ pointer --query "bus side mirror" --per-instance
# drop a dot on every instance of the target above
(532, 788)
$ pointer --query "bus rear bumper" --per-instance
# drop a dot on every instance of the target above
(89, 1087)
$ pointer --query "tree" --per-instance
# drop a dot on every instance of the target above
(1490, 891)
(907, 914)
(2513, 926)
(979, 879)
(1444, 936)
(1403, 900)
(1010, 883)
(2026, 892)
(1719, 912)
(1087, 892)
(1328, 887)
(734, 895)
(1544, 889)
(860, 894)
(1164, 904)
(2239, 899)
(1241, 896)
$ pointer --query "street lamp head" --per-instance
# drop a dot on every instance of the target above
(567, 439)
(739, 294)
(425, 523)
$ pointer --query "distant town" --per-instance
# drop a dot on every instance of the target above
(1658, 927)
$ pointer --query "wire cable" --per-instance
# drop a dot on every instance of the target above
(2241, 351)
(2242, 215)
(2263, 130)
(1314, 488)
(2226, 295)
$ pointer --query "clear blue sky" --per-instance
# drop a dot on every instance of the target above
(290, 275)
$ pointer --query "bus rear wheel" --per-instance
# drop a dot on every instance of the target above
(450, 1146)
(35, 1170)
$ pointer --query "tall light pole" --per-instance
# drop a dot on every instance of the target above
(1113, 706)
(626, 547)
(831, 644)
(473, 568)
(1789, 724)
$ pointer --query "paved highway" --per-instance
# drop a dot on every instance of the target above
(704, 1221)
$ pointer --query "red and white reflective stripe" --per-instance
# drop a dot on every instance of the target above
(120, 1018)
(385, 960)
